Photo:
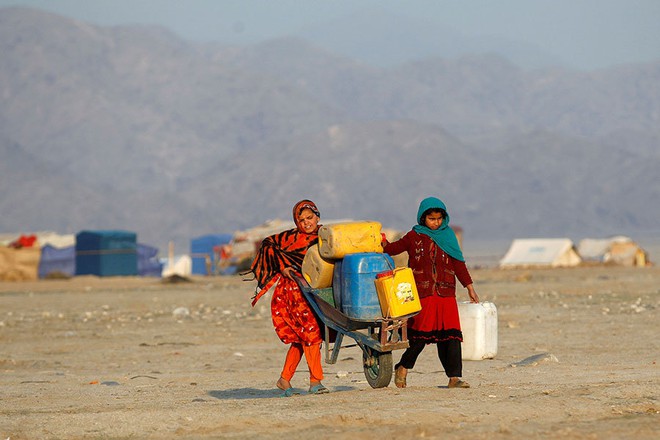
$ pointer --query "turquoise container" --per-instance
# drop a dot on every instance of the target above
(106, 253)
(357, 290)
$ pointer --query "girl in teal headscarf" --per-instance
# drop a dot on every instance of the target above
(443, 236)
(436, 259)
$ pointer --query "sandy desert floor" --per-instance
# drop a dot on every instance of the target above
(119, 358)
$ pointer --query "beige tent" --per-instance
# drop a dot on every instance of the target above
(619, 250)
(541, 252)
(19, 264)
(22, 263)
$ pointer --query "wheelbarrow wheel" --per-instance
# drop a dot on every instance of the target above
(377, 367)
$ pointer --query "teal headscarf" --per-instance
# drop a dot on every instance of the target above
(444, 236)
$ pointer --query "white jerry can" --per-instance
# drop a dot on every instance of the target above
(479, 327)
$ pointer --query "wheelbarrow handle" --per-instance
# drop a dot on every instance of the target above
(302, 282)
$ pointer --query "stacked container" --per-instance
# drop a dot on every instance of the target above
(341, 239)
(397, 293)
(355, 282)
(349, 256)
(317, 270)
(322, 265)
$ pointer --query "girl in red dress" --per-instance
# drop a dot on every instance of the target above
(436, 259)
(278, 258)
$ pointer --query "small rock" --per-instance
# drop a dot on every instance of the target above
(181, 312)
(534, 360)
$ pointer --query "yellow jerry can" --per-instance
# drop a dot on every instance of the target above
(341, 239)
(317, 270)
(397, 293)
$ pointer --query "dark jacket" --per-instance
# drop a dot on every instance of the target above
(435, 272)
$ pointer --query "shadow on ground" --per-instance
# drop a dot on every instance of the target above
(255, 393)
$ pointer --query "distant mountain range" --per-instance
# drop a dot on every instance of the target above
(133, 128)
(384, 38)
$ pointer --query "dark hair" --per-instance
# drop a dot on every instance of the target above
(433, 211)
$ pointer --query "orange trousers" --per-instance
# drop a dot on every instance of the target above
(313, 357)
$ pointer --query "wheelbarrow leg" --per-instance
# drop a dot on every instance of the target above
(394, 327)
(384, 332)
(331, 359)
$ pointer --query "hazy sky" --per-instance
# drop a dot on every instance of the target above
(584, 33)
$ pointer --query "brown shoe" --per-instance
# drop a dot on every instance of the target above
(400, 377)
(457, 384)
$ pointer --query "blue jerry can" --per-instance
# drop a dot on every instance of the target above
(357, 290)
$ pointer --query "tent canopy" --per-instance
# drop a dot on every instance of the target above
(202, 253)
(55, 260)
(541, 252)
(620, 250)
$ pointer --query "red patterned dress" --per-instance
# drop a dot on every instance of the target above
(292, 316)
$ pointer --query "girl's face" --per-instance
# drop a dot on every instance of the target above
(433, 220)
(307, 221)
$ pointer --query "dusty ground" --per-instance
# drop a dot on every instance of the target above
(113, 358)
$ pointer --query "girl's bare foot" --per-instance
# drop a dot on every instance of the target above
(283, 384)
(400, 377)
(456, 382)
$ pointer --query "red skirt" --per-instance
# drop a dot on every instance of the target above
(437, 321)
(293, 317)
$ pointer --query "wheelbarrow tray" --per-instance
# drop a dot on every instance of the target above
(344, 325)
(332, 317)
(377, 338)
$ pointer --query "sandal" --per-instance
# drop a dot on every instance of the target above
(458, 384)
(400, 377)
(290, 392)
(318, 389)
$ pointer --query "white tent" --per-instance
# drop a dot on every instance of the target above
(619, 250)
(43, 238)
(56, 240)
(541, 252)
(178, 265)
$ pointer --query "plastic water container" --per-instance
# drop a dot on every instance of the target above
(397, 292)
(357, 290)
(340, 239)
(336, 284)
(479, 326)
(317, 270)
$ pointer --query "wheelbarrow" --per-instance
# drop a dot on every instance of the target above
(377, 338)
